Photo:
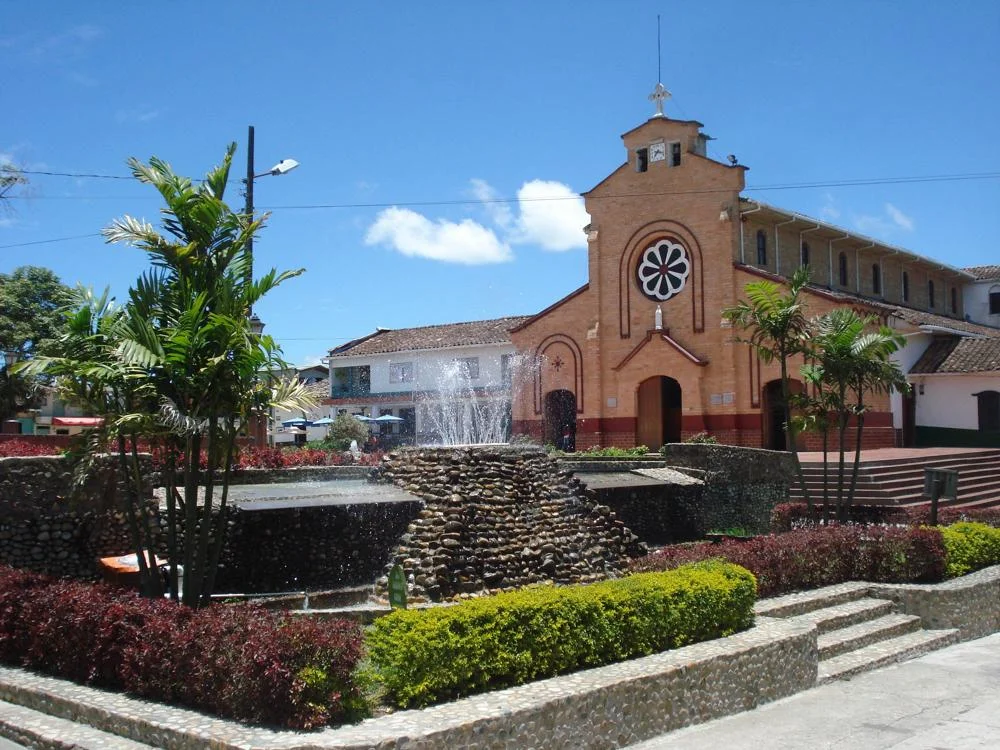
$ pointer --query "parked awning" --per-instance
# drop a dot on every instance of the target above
(77, 421)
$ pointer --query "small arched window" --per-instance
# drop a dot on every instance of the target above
(930, 293)
(954, 301)
(876, 279)
(804, 254)
(906, 287)
(843, 269)
(989, 410)
(761, 248)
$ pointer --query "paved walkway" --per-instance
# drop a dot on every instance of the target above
(949, 699)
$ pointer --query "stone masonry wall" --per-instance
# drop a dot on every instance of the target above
(499, 518)
(45, 526)
(742, 485)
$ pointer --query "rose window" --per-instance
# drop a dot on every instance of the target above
(663, 270)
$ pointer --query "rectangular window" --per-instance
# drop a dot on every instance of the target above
(505, 368)
(995, 303)
(675, 154)
(641, 159)
(468, 367)
(400, 372)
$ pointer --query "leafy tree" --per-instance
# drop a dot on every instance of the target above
(30, 298)
(178, 366)
(776, 325)
(346, 428)
(853, 359)
(10, 179)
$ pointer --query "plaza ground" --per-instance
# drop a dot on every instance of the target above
(947, 699)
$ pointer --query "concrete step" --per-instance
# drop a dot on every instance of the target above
(846, 613)
(938, 460)
(853, 637)
(789, 605)
(884, 652)
(34, 729)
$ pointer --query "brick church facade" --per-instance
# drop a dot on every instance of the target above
(641, 354)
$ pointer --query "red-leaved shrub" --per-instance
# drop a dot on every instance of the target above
(822, 556)
(240, 662)
(30, 447)
(788, 516)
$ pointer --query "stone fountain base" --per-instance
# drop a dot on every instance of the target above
(499, 517)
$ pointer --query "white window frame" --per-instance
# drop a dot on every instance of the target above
(401, 372)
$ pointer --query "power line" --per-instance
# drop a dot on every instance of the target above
(46, 242)
(483, 201)
(78, 174)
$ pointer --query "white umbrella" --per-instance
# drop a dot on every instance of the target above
(323, 421)
(388, 419)
(363, 418)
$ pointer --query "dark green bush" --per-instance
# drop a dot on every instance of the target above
(424, 656)
(971, 546)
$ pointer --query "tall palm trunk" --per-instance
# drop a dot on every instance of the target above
(791, 432)
(842, 449)
(860, 421)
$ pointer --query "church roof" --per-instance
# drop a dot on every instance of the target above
(387, 341)
(910, 315)
(793, 215)
(956, 354)
(984, 273)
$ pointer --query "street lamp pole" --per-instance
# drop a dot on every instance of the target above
(282, 167)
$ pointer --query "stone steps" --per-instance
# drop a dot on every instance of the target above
(857, 632)
(883, 653)
(34, 729)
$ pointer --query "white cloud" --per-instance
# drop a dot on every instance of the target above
(552, 216)
(900, 219)
(137, 115)
(829, 211)
(885, 224)
(413, 234)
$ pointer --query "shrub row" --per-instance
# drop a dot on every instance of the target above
(971, 546)
(424, 656)
(239, 662)
(788, 516)
(821, 556)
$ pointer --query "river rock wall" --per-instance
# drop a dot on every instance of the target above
(499, 517)
(47, 527)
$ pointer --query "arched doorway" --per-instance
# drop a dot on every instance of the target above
(772, 413)
(658, 412)
(560, 415)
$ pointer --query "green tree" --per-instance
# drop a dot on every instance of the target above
(776, 324)
(346, 428)
(30, 298)
(177, 365)
(853, 358)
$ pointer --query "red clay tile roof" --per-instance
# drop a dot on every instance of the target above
(385, 341)
(959, 355)
(984, 272)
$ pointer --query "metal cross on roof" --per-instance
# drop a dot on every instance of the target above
(659, 95)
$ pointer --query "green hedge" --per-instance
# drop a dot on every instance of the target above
(970, 546)
(425, 656)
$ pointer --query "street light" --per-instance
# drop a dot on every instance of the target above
(282, 167)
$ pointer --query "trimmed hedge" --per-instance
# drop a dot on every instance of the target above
(821, 556)
(425, 656)
(971, 546)
(240, 662)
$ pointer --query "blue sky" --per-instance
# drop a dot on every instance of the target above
(389, 105)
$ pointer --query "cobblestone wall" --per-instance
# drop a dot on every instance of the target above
(45, 526)
(500, 517)
(742, 485)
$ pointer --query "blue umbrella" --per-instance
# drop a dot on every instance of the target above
(323, 421)
(363, 418)
(296, 423)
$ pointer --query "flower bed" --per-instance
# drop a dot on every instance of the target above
(788, 516)
(425, 656)
(238, 662)
(821, 556)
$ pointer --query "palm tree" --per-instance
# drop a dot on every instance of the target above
(853, 361)
(777, 325)
(178, 364)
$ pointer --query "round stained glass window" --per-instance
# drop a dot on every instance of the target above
(663, 270)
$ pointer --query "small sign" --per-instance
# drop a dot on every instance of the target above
(948, 486)
(397, 588)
